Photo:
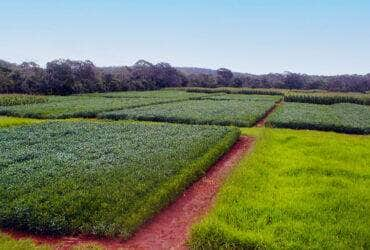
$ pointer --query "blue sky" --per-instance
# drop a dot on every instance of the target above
(255, 36)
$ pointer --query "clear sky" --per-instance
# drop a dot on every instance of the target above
(255, 36)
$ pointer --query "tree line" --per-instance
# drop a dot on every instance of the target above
(64, 77)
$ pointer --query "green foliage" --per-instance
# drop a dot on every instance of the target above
(236, 112)
(11, 121)
(12, 99)
(172, 94)
(252, 91)
(296, 190)
(101, 178)
(327, 98)
(77, 106)
(305, 96)
(241, 97)
(344, 117)
(7, 243)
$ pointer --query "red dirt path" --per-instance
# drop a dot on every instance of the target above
(170, 228)
(262, 122)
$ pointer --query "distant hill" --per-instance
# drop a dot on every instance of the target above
(195, 70)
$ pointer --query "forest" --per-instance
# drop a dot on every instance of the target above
(65, 77)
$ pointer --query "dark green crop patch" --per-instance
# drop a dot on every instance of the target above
(17, 99)
(343, 117)
(77, 106)
(224, 110)
(100, 178)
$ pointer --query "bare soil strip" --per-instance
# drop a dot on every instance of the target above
(169, 229)
(262, 122)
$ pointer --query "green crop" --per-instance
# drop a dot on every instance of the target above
(101, 178)
(242, 113)
(251, 91)
(77, 106)
(14, 99)
(344, 117)
(172, 94)
(327, 98)
(296, 190)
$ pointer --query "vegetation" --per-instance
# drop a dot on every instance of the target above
(237, 91)
(102, 178)
(297, 190)
(240, 97)
(8, 243)
(242, 113)
(343, 117)
(10, 100)
(327, 98)
(64, 77)
(163, 94)
(77, 106)
(11, 121)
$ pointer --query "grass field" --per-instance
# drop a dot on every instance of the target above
(102, 178)
(297, 190)
(344, 117)
(7, 243)
(236, 112)
(12, 121)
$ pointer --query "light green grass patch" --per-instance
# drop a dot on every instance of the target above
(297, 190)
(7, 243)
(6, 121)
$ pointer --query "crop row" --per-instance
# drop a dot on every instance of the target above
(304, 96)
(164, 94)
(13, 99)
(97, 177)
(77, 106)
(343, 117)
(235, 112)
(328, 98)
(251, 91)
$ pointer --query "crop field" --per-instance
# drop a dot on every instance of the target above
(13, 99)
(101, 178)
(296, 190)
(304, 96)
(223, 112)
(172, 94)
(77, 106)
(249, 91)
(343, 117)
(327, 98)
(61, 174)
(241, 97)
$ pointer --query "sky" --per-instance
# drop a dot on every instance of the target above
(256, 36)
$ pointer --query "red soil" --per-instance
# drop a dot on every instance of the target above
(262, 122)
(170, 228)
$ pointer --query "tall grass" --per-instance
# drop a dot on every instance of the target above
(297, 190)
